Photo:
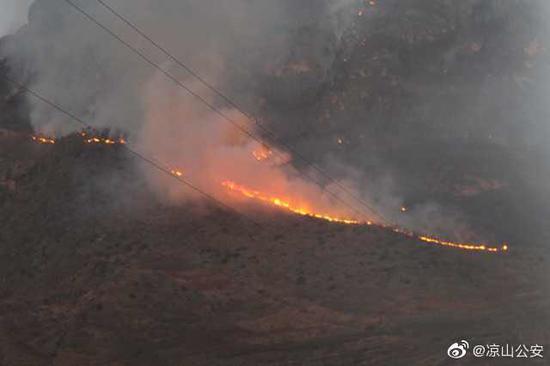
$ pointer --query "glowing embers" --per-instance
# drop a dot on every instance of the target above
(262, 153)
(41, 139)
(104, 141)
(92, 138)
(285, 204)
(479, 247)
(89, 137)
(176, 172)
(464, 246)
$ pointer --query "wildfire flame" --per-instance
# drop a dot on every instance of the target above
(465, 246)
(287, 205)
(177, 173)
(43, 139)
(262, 153)
(88, 138)
(103, 140)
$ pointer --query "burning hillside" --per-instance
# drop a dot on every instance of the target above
(285, 204)
(305, 211)
(273, 182)
(266, 296)
(303, 208)
(296, 80)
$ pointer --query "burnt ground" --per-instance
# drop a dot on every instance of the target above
(95, 270)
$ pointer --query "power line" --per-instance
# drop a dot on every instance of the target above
(216, 110)
(148, 160)
(235, 105)
(200, 98)
(220, 203)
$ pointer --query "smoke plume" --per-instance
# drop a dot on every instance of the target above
(234, 45)
(13, 15)
(344, 81)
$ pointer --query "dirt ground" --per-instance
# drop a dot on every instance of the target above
(87, 279)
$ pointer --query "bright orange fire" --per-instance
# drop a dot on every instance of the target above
(103, 140)
(88, 138)
(262, 153)
(43, 139)
(177, 173)
(285, 204)
(465, 246)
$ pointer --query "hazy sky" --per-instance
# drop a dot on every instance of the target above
(13, 14)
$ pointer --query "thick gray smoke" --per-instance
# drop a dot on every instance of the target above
(77, 64)
(371, 90)
(13, 15)
(236, 45)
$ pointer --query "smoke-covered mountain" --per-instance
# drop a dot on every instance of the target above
(380, 94)
(432, 111)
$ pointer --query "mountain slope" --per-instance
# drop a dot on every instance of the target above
(88, 280)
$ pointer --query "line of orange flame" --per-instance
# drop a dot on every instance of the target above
(102, 140)
(287, 205)
(89, 139)
(43, 139)
(275, 201)
(465, 246)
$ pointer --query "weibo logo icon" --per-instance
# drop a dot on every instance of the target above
(458, 350)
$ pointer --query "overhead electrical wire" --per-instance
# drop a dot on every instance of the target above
(370, 209)
(148, 160)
